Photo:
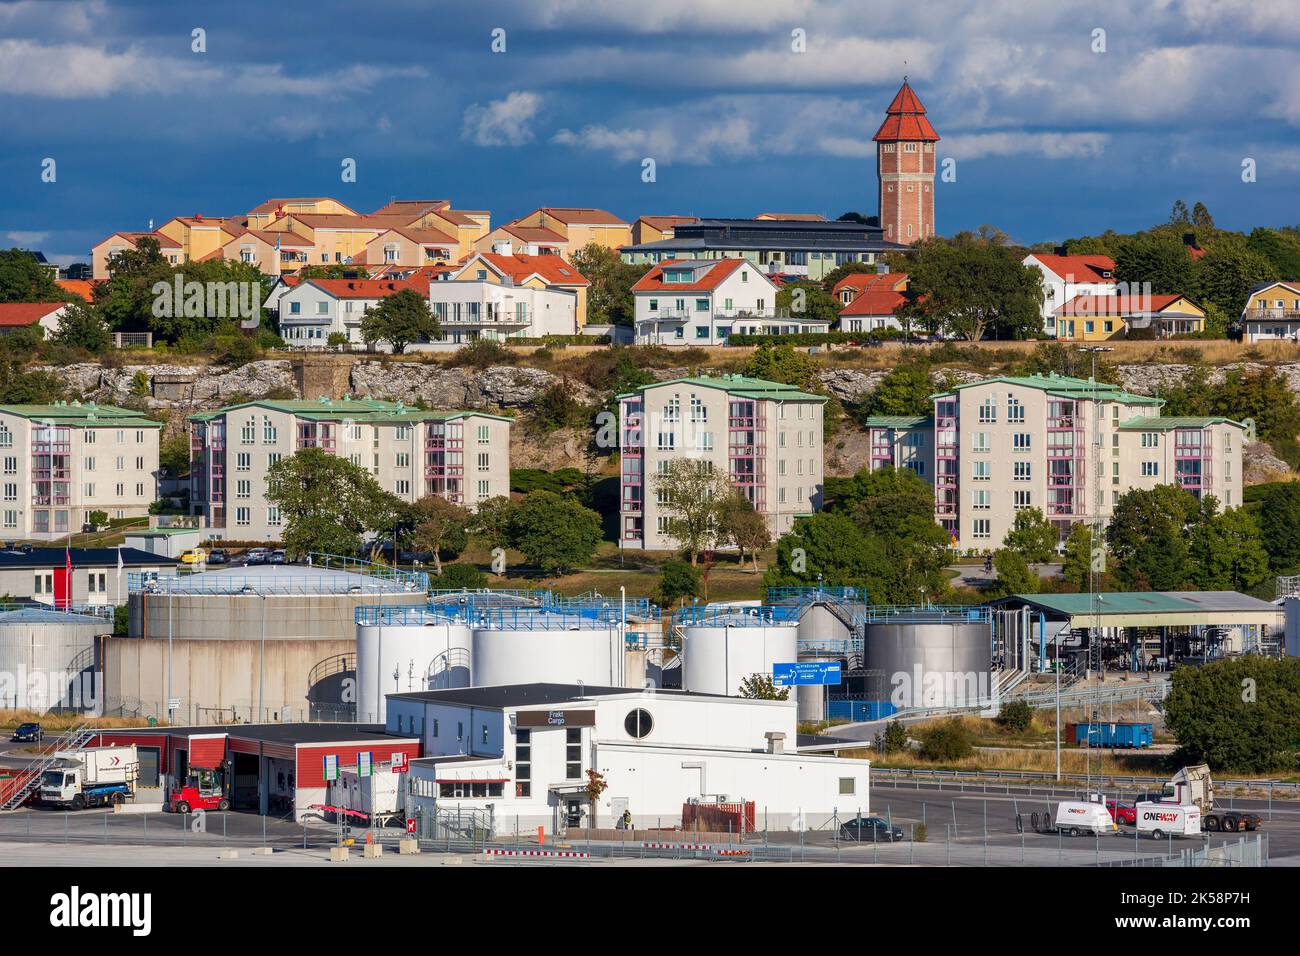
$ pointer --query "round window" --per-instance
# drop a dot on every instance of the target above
(638, 723)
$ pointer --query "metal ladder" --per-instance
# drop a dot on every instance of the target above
(21, 786)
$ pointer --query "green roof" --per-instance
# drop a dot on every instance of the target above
(899, 421)
(740, 385)
(87, 414)
(371, 410)
(1066, 387)
(1111, 602)
(1156, 423)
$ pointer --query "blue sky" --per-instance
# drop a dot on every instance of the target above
(1051, 138)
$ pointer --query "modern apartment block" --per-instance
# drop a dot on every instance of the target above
(766, 437)
(412, 452)
(1069, 447)
(65, 460)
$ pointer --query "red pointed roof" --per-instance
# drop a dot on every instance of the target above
(905, 119)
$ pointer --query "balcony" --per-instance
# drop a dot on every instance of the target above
(487, 319)
(1266, 315)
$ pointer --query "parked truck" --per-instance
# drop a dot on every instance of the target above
(1193, 786)
(94, 777)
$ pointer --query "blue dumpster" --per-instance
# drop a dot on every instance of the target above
(1114, 734)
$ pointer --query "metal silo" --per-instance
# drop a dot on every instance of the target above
(722, 645)
(932, 657)
(47, 659)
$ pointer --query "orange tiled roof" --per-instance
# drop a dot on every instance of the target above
(905, 119)
(710, 279)
(1079, 268)
(552, 269)
(84, 288)
(17, 314)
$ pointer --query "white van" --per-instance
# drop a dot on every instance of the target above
(1168, 819)
(1075, 817)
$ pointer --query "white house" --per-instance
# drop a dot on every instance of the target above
(313, 310)
(21, 315)
(519, 754)
(470, 309)
(706, 301)
(1065, 277)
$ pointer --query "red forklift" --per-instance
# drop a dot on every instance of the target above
(203, 789)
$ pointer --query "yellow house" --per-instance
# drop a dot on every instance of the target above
(466, 226)
(658, 228)
(105, 249)
(274, 253)
(406, 246)
(199, 235)
(580, 227)
(261, 216)
(534, 272)
(335, 239)
(1096, 318)
(512, 239)
(1272, 311)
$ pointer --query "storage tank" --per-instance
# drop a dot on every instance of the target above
(932, 660)
(49, 657)
(548, 648)
(720, 651)
(407, 649)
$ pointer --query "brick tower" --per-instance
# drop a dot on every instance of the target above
(905, 169)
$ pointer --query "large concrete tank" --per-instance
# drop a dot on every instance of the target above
(717, 656)
(47, 659)
(434, 655)
(563, 654)
(931, 663)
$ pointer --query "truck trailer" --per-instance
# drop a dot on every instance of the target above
(94, 777)
(377, 796)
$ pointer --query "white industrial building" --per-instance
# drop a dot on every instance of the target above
(518, 755)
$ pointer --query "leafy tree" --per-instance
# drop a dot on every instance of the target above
(760, 687)
(825, 546)
(1281, 249)
(21, 387)
(1227, 272)
(946, 740)
(1239, 714)
(808, 300)
(1016, 716)
(1201, 217)
(905, 390)
(1179, 215)
(1225, 551)
(24, 279)
(399, 320)
(780, 363)
(81, 327)
(739, 524)
(906, 550)
(1032, 536)
(326, 502)
(972, 288)
(1049, 357)
(492, 521)
(609, 297)
(1160, 259)
(1013, 575)
(1147, 537)
(440, 528)
(1077, 562)
(174, 455)
(893, 738)
(693, 497)
(459, 576)
(677, 581)
(98, 519)
(1279, 526)
(554, 533)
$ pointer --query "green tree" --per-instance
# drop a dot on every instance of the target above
(740, 525)
(974, 288)
(174, 455)
(609, 297)
(826, 547)
(1279, 526)
(893, 739)
(1158, 258)
(1032, 536)
(906, 551)
(1147, 537)
(1179, 216)
(399, 320)
(80, 326)
(693, 495)
(1281, 249)
(1016, 716)
(1238, 714)
(554, 533)
(326, 502)
(21, 387)
(781, 363)
(905, 390)
(761, 687)
(677, 581)
(946, 740)
(1014, 576)
(1226, 552)
(1077, 562)
(809, 301)
(24, 279)
(1201, 217)
(1227, 272)
(441, 528)
(459, 576)
(492, 522)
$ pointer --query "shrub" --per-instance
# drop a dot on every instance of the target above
(459, 575)
(1016, 716)
(946, 741)
(893, 738)
(481, 354)
(919, 833)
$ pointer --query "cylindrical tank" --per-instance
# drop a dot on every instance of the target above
(49, 657)
(716, 657)
(404, 657)
(812, 697)
(932, 664)
(563, 655)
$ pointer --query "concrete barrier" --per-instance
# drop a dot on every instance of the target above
(227, 854)
(408, 845)
(338, 854)
(372, 851)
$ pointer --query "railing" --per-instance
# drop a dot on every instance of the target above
(338, 664)
(816, 593)
(709, 615)
(225, 582)
(1260, 314)
(18, 788)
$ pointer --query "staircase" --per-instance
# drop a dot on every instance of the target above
(14, 791)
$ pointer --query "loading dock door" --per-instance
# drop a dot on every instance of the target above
(244, 789)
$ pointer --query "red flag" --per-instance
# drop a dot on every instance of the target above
(67, 571)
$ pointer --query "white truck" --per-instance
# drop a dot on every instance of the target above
(377, 797)
(1168, 819)
(1193, 786)
(93, 777)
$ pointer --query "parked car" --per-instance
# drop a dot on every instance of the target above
(257, 555)
(276, 557)
(870, 830)
(1125, 812)
(218, 556)
(29, 732)
(193, 556)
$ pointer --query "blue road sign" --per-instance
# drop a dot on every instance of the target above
(806, 672)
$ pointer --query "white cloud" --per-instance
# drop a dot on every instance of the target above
(1046, 145)
(26, 239)
(72, 70)
(504, 122)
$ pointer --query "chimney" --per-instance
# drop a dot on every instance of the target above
(775, 741)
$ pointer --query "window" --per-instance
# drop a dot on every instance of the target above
(403, 459)
(273, 516)
(1022, 471)
(483, 461)
(242, 516)
(981, 499)
(573, 753)
(244, 461)
(848, 786)
(1150, 469)
(983, 470)
(268, 431)
(1015, 409)
(243, 488)
(1150, 439)
(979, 441)
(980, 528)
(638, 723)
(483, 490)
(1020, 441)
(1021, 500)
(484, 434)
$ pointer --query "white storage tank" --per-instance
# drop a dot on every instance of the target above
(48, 656)
(406, 649)
(551, 649)
(719, 654)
